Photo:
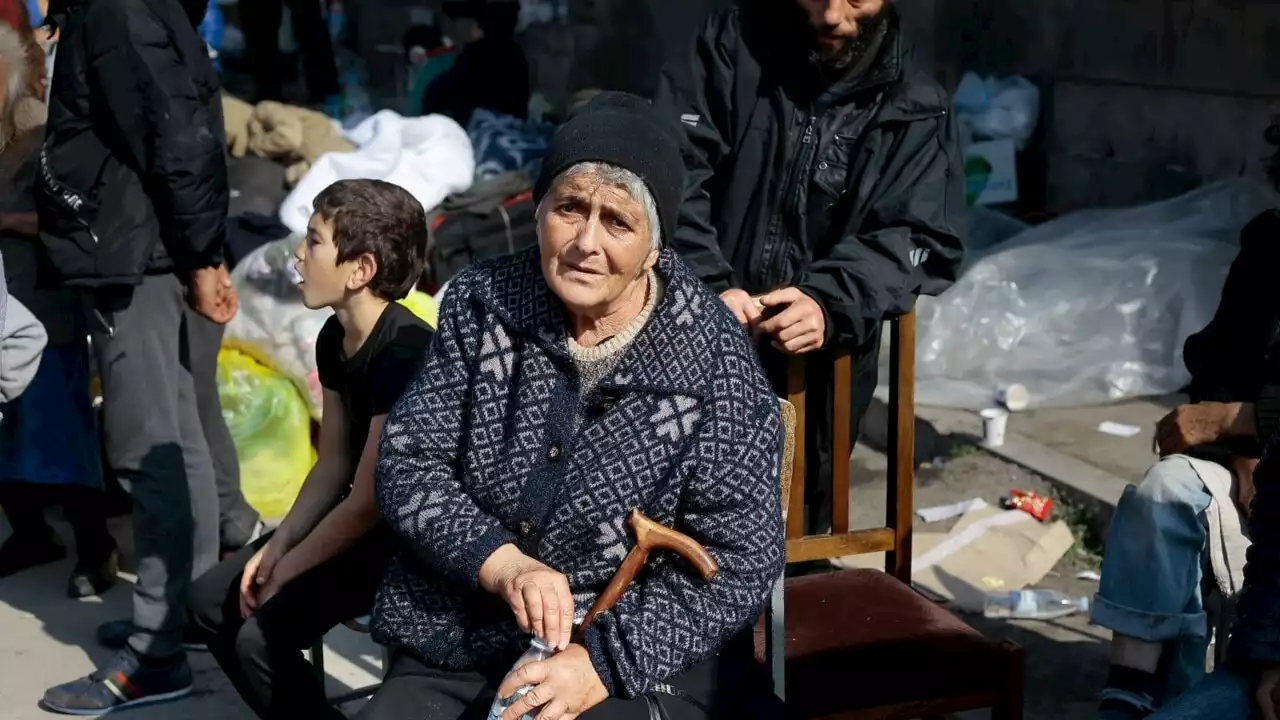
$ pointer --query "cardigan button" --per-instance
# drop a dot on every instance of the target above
(554, 452)
(525, 528)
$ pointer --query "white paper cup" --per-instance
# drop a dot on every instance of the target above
(994, 422)
(1015, 397)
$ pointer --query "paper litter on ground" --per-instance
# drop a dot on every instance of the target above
(1118, 429)
(944, 512)
(1088, 575)
(988, 550)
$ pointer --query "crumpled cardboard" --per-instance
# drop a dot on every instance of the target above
(988, 550)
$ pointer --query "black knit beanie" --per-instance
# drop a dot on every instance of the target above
(623, 130)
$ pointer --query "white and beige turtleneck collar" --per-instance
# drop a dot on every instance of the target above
(593, 363)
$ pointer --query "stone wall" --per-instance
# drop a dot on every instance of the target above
(1145, 98)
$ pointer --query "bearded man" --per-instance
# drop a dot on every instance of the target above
(824, 189)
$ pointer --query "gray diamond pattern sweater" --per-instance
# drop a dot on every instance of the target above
(483, 449)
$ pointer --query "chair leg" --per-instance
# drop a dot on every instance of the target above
(775, 637)
(1011, 700)
(317, 658)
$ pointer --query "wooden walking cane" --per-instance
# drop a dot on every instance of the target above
(650, 536)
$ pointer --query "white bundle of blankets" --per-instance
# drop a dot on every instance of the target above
(430, 156)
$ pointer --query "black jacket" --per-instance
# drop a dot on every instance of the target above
(133, 177)
(1236, 358)
(774, 150)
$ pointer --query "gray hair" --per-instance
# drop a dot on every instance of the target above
(16, 79)
(631, 182)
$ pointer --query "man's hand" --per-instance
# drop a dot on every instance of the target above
(744, 306)
(565, 685)
(257, 574)
(1243, 467)
(539, 596)
(1268, 693)
(1191, 425)
(801, 327)
(213, 295)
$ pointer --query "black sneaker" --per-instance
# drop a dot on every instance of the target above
(23, 551)
(94, 578)
(126, 682)
(115, 635)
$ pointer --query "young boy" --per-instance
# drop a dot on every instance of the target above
(262, 606)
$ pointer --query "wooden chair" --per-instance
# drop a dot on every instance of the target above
(862, 643)
(317, 661)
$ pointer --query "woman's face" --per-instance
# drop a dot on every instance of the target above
(595, 243)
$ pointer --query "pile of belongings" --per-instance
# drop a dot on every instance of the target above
(292, 136)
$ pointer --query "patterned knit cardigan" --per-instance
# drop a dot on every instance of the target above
(481, 450)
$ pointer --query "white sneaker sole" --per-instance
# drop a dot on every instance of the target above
(140, 702)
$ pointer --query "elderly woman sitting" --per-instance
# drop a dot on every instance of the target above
(568, 385)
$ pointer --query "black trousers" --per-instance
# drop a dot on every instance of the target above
(263, 655)
(820, 386)
(24, 505)
(729, 685)
(260, 20)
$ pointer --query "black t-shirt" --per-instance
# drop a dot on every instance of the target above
(372, 380)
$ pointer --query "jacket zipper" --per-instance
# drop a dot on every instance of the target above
(772, 243)
(70, 197)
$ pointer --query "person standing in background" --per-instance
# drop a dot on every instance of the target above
(48, 440)
(260, 21)
(491, 71)
(132, 199)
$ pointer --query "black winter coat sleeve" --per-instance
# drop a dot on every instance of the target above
(909, 243)
(172, 137)
(695, 90)
(1255, 639)
(1231, 359)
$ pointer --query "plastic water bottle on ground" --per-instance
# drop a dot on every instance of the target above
(1034, 604)
(537, 651)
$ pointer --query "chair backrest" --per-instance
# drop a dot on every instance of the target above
(788, 412)
(894, 538)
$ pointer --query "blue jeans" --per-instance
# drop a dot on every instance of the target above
(1153, 569)
(1222, 695)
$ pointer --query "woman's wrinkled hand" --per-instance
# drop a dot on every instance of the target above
(538, 595)
(564, 686)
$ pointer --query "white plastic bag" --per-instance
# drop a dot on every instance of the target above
(1091, 308)
(997, 108)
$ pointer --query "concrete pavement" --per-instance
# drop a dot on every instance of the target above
(47, 638)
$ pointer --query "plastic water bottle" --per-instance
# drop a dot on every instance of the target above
(1035, 604)
(537, 651)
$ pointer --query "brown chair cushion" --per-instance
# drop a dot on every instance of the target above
(860, 639)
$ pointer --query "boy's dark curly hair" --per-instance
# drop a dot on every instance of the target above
(1272, 136)
(384, 220)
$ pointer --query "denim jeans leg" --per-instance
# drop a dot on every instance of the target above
(1223, 695)
(1153, 568)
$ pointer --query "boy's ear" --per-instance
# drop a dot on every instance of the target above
(366, 268)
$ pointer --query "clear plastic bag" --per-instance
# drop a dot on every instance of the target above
(1091, 308)
(998, 108)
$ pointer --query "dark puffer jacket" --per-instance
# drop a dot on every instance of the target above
(1237, 359)
(133, 177)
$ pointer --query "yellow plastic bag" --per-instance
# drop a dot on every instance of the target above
(424, 306)
(271, 426)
